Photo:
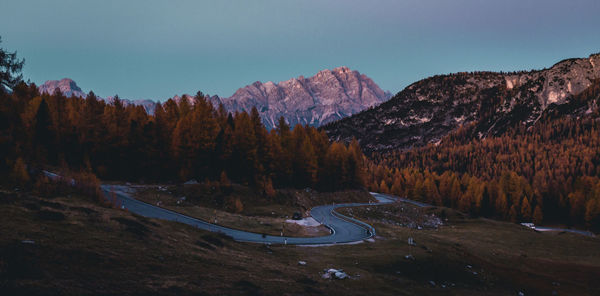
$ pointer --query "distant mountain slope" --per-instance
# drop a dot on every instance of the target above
(325, 97)
(429, 109)
(67, 87)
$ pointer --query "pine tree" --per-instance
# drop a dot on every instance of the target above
(355, 164)
(245, 153)
(310, 165)
(383, 187)
(431, 192)
(525, 210)
(455, 192)
(538, 216)
(501, 205)
(592, 214)
(10, 69)
(513, 214)
(336, 171)
(397, 186)
(485, 209)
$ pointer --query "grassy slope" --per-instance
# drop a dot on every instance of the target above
(502, 254)
(95, 250)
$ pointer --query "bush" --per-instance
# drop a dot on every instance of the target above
(69, 183)
(235, 205)
(88, 184)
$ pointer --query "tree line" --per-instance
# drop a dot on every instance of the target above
(183, 140)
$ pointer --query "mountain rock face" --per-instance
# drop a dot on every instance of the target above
(328, 96)
(66, 86)
(69, 88)
(427, 110)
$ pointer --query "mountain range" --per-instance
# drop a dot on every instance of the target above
(69, 88)
(325, 97)
(427, 110)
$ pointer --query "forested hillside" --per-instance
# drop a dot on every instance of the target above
(430, 109)
(181, 141)
(549, 172)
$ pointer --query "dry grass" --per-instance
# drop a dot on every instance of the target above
(92, 249)
(502, 254)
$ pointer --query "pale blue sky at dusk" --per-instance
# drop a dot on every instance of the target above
(156, 49)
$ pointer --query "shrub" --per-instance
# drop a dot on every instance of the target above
(83, 183)
(235, 205)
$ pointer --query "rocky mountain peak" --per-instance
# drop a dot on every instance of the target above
(342, 69)
(327, 96)
(67, 87)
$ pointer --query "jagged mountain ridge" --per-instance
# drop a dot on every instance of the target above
(427, 110)
(325, 97)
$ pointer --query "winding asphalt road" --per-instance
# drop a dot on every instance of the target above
(343, 229)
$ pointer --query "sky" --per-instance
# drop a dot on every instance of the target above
(145, 49)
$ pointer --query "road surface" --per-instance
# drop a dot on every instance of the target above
(544, 228)
(343, 229)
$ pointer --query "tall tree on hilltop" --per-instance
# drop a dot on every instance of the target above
(204, 130)
(261, 140)
(10, 69)
(355, 163)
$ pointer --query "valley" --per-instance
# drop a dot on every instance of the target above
(299, 148)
